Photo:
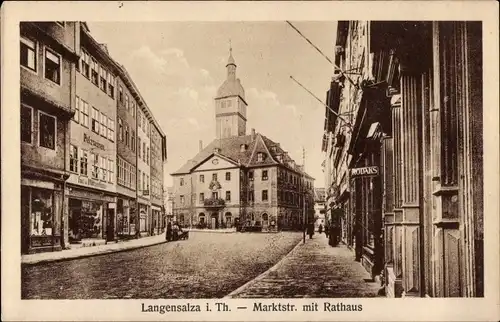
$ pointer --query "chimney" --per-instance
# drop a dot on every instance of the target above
(201, 145)
(253, 134)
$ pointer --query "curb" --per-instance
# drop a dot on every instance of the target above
(104, 252)
(262, 275)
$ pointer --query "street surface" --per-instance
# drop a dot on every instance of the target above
(313, 269)
(208, 265)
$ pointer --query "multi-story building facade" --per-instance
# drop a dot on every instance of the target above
(92, 150)
(78, 141)
(127, 148)
(241, 180)
(405, 164)
(319, 207)
(48, 52)
(143, 169)
(158, 155)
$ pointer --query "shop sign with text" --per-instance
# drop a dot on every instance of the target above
(364, 172)
(94, 143)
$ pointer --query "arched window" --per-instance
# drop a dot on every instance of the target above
(201, 218)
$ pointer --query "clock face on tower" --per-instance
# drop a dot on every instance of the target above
(215, 161)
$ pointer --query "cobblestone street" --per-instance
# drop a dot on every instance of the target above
(208, 265)
(313, 270)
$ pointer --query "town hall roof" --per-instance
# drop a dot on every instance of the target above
(231, 148)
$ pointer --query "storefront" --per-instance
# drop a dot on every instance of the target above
(144, 221)
(125, 217)
(156, 225)
(91, 215)
(41, 215)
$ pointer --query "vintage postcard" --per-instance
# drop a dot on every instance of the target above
(250, 161)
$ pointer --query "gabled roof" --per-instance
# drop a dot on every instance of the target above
(230, 148)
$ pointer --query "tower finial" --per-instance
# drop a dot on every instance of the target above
(230, 47)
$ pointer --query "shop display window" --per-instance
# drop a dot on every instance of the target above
(42, 212)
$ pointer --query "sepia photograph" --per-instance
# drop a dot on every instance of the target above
(250, 163)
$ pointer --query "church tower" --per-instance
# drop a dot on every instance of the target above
(230, 105)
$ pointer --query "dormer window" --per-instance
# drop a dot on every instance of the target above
(273, 149)
(243, 148)
(280, 158)
(260, 157)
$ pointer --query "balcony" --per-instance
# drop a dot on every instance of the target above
(214, 203)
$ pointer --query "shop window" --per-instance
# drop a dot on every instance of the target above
(95, 120)
(28, 53)
(52, 66)
(91, 223)
(264, 195)
(228, 176)
(73, 159)
(111, 130)
(228, 195)
(264, 175)
(42, 212)
(26, 124)
(47, 131)
(83, 163)
(84, 116)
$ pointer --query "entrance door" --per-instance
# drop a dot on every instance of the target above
(215, 220)
(110, 225)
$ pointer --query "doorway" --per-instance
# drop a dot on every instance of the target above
(215, 220)
(110, 226)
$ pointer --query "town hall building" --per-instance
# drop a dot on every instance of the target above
(239, 179)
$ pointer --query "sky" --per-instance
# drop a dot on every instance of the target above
(178, 67)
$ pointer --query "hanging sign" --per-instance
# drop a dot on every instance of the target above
(364, 172)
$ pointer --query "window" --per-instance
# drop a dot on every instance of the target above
(95, 72)
(264, 175)
(127, 137)
(52, 66)
(148, 127)
(147, 183)
(95, 120)
(26, 124)
(111, 85)
(104, 79)
(126, 102)
(85, 64)
(139, 146)
(202, 197)
(28, 53)
(182, 199)
(84, 113)
(202, 178)
(228, 176)
(228, 195)
(111, 167)
(103, 125)
(77, 109)
(140, 181)
(147, 156)
(260, 157)
(95, 165)
(264, 195)
(139, 118)
(120, 130)
(132, 109)
(214, 176)
(144, 151)
(120, 95)
(104, 168)
(182, 182)
(73, 159)
(250, 195)
(215, 195)
(83, 163)
(111, 130)
(47, 131)
(143, 181)
(132, 141)
(250, 175)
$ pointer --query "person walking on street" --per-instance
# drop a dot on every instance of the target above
(320, 229)
(168, 236)
(310, 230)
(175, 231)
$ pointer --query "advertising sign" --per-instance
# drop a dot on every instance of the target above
(364, 172)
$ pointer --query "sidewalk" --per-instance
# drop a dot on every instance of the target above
(313, 269)
(207, 230)
(92, 251)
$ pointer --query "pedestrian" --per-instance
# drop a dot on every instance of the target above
(320, 229)
(310, 230)
(327, 230)
(168, 235)
(175, 231)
